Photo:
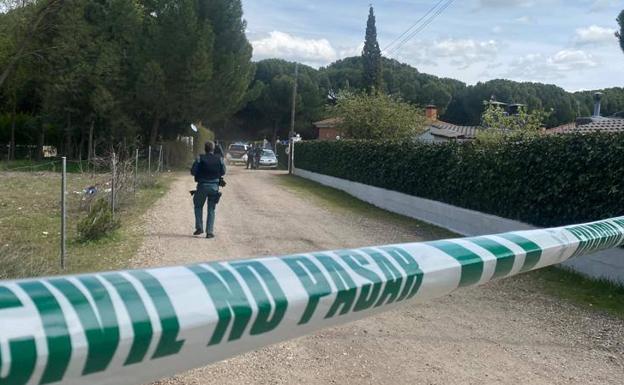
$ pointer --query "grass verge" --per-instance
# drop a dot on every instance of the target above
(554, 281)
(30, 225)
(588, 293)
(339, 201)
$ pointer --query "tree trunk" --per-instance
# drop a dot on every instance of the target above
(40, 144)
(154, 132)
(12, 144)
(90, 144)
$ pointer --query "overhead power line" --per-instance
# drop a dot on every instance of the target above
(387, 47)
(424, 25)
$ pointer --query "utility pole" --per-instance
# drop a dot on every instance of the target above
(136, 171)
(159, 159)
(291, 135)
(149, 164)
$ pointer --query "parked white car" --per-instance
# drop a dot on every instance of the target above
(268, 159)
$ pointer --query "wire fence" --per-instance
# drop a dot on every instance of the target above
(50, 210)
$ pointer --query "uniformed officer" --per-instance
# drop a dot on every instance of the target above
(250, 157)
(207, 170)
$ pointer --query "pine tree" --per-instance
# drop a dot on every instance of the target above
(371, 57)
(620, 35)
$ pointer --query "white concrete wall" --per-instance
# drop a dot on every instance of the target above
(603, 265)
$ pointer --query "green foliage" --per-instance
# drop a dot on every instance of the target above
(282, 157)
(371, 57)
(268, 108)
(543, 180)
(612, 101)
(99, 223)
(377, 116)
(203, 135)
(132, 70)
(467, 104)
(398, 79)
(499, 124)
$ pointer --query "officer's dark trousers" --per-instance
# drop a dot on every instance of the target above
(205, 192)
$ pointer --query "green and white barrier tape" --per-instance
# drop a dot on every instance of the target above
(132, 327)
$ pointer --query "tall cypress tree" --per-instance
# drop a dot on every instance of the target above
(620, 35)
(371, 57)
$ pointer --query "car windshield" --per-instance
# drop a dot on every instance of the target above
(237, 147)
(268, 153)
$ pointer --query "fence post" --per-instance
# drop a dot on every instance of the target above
(113, 186)
(149, 163)
(160, 158)
(136, 170)
(63, 210)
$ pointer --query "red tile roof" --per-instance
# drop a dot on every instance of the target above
(449, 130)
(595, 125)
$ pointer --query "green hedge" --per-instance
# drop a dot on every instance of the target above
(282, 157)
(545, 181)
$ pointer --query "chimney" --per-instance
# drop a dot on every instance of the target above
(431, 112)
(597, 99)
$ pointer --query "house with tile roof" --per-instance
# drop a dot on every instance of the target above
(327, 129)
(438, 131)
(594, 123)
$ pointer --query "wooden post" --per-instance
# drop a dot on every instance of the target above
(63, 210)
(113, 187)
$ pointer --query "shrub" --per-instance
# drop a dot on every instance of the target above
(98, 223)
(377, 116)
(282, 156)
(542, 180)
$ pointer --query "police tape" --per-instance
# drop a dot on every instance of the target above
(132, 327)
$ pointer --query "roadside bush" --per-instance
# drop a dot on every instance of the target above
(98, 223)
(282, 157)
(178, 154)
(543, 180)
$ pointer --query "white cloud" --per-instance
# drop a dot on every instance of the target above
(594, 35)
(540, 67)
(353, 51)
(570, 60)
(315, 52)
(524, 20)
(600, 5)
(463, 52)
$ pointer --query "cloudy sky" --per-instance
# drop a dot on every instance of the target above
(570, 43)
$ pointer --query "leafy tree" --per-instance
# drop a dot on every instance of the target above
(233, 70)
(371, 57)
(28, 20)
(267, 112)
(620, 34)
(499, 124)
(496, 118)
(377, 116)
(398, 79)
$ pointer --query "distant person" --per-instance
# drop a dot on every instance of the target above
(219, 150)
(208, 170)
(250, 157)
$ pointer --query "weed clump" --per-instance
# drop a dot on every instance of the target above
(98, 223)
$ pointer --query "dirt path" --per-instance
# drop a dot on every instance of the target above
(502, 333)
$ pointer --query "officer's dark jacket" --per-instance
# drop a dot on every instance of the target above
(208, 168)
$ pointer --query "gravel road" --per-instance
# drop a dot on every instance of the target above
(502, 333)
